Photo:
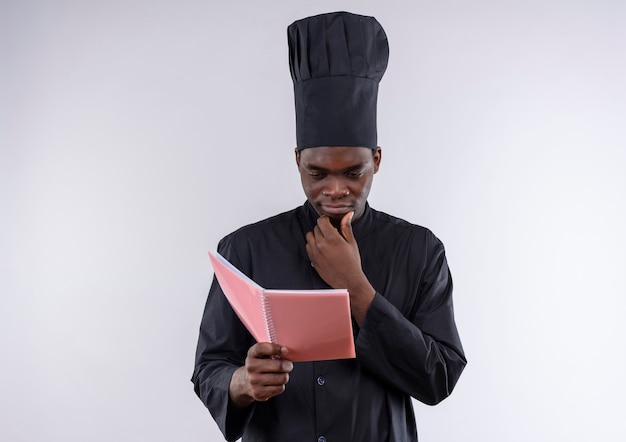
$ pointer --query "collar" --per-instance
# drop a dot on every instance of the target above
(360, 228)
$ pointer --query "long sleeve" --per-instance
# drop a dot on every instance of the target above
(222, 347)
(414, 344)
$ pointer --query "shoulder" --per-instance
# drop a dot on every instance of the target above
(388, 225)
(251, 245)
(268, 227)
(267, 223)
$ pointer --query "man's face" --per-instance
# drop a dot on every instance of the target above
(337, 179)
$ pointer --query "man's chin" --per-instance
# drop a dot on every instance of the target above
(335, 220)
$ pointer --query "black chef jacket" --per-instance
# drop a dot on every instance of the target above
(407, 345)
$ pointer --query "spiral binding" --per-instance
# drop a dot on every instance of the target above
(269, 322)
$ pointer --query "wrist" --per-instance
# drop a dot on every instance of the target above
(237, 389)
(361, 297)
(362, 290)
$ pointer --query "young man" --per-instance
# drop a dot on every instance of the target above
(396, 273)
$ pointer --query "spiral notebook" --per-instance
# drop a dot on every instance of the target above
(314, 325)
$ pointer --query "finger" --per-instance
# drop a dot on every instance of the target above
(275, 380)
(264, 350)
(260, 381)
(346, 226)
(264, 372)
(318, 233)
(314, 237)
(325, 227)
(265, 356)
(266, 393)
(267, 385)
(310, 238)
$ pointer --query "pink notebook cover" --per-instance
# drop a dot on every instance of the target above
(314, 325)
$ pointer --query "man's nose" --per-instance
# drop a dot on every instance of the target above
(335, 187)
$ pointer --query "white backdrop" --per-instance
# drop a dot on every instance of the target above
(135, 134)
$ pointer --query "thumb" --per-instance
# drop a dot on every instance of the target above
(346, 227)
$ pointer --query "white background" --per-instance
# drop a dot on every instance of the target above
(135, 134)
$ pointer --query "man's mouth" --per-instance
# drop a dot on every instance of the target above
(335, 209)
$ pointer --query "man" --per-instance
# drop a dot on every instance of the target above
(396, 273)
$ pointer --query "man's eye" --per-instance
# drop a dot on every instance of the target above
(316, 175)
(355, 174)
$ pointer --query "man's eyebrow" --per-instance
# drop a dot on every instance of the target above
(352, 168)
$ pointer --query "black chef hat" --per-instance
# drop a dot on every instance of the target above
(336, 62)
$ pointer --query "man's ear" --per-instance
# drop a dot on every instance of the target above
(377, 156)
(297, 157)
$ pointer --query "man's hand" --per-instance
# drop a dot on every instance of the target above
(262, 377)
(335, 256)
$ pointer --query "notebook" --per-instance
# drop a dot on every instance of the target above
(314, 325)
